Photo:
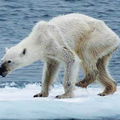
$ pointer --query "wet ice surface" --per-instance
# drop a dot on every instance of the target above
(19, 103)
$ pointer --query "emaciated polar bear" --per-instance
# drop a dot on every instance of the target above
(73, 39)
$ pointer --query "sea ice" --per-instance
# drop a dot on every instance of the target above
(16, 103)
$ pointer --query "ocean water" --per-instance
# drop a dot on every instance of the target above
(17, 17)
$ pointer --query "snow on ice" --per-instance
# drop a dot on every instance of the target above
(16, 103)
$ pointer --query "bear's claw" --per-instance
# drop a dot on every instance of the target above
(38, 95)
(102, 94)
(35, 96)
(42, 94)
(57, 97)
(65, 96)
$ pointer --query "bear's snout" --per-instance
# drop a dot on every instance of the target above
(3, 70)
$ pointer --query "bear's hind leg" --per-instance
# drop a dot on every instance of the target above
(50, 69)
(89, 78)
(104, 78)
(90, 69)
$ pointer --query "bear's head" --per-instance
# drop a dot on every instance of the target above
(29, 50)
(13, 59)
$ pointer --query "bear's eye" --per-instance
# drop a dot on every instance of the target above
(9, 61)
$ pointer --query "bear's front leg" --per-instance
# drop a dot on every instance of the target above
(70, 77)
(72, 63)
(50, 69)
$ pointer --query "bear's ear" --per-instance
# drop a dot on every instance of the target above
(23, 52)
(6, 49)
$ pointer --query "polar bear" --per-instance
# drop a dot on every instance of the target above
(74, 40)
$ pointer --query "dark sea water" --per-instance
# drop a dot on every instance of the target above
(17, 17)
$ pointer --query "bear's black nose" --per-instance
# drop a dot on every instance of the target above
(3, 71)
